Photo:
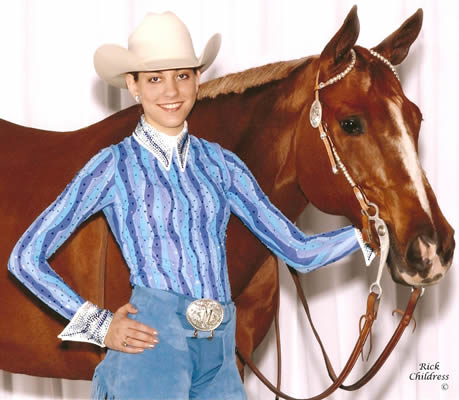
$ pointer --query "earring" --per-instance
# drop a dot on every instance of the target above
(137, 98)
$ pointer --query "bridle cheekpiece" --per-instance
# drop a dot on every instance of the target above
(370, 211)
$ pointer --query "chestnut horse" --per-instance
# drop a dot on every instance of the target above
(263, 115)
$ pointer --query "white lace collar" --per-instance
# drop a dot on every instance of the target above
(162, 145)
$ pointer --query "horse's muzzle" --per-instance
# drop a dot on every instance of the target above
(426, 261)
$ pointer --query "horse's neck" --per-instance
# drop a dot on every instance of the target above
(259, 126)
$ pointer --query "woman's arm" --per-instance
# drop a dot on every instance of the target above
(90, 191)
(277, 232)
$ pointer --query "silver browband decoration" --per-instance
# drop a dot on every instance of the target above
(205, 315)
(341, 75)
(315, 114)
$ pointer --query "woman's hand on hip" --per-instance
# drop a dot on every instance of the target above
(127, 335)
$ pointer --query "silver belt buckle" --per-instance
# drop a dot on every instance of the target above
(205, 315)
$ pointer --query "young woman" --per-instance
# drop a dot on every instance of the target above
(167, 197)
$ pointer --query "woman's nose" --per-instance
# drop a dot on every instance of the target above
(171, 89)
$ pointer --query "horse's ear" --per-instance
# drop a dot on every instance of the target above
(343, 41)
(396, 46)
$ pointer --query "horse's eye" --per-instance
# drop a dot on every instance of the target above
(352, 126)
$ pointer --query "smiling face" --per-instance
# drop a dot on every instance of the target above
(167, 96)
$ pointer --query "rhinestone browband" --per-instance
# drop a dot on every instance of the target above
(341, 75)
(349, 68)
(385, 61)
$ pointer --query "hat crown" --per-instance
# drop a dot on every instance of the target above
(162, 37)
(160, 42)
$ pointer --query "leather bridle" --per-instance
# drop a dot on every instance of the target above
(368, 209)
(370, 214)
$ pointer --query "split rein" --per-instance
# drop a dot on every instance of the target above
(370, 214)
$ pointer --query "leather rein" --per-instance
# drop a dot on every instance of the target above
(370, 214)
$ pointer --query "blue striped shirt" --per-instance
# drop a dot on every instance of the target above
(169, 215)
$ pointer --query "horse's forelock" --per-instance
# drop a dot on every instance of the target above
(239, 82)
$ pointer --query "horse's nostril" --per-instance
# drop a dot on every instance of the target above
(421, 254)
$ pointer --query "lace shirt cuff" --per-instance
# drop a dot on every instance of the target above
(90, 324)
(368, 253)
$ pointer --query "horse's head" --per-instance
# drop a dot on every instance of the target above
(375, 128)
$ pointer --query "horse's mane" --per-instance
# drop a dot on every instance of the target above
(241, 81)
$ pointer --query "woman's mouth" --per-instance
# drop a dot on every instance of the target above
(170, 107)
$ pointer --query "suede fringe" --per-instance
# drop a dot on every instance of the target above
(99, 391)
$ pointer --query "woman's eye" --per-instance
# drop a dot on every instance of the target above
(182, 76)
(155, 79)
(352, 126)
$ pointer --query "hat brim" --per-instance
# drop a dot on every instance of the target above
(112, 61)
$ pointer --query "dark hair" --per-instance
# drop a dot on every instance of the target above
(136, 73)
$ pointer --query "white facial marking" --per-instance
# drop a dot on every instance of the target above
(409, 158)
(366, 83)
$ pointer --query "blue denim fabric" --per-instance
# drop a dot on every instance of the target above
(180, 367)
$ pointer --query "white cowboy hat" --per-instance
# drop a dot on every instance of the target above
(160, 42)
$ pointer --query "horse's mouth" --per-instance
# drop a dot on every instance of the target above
(426, 269)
